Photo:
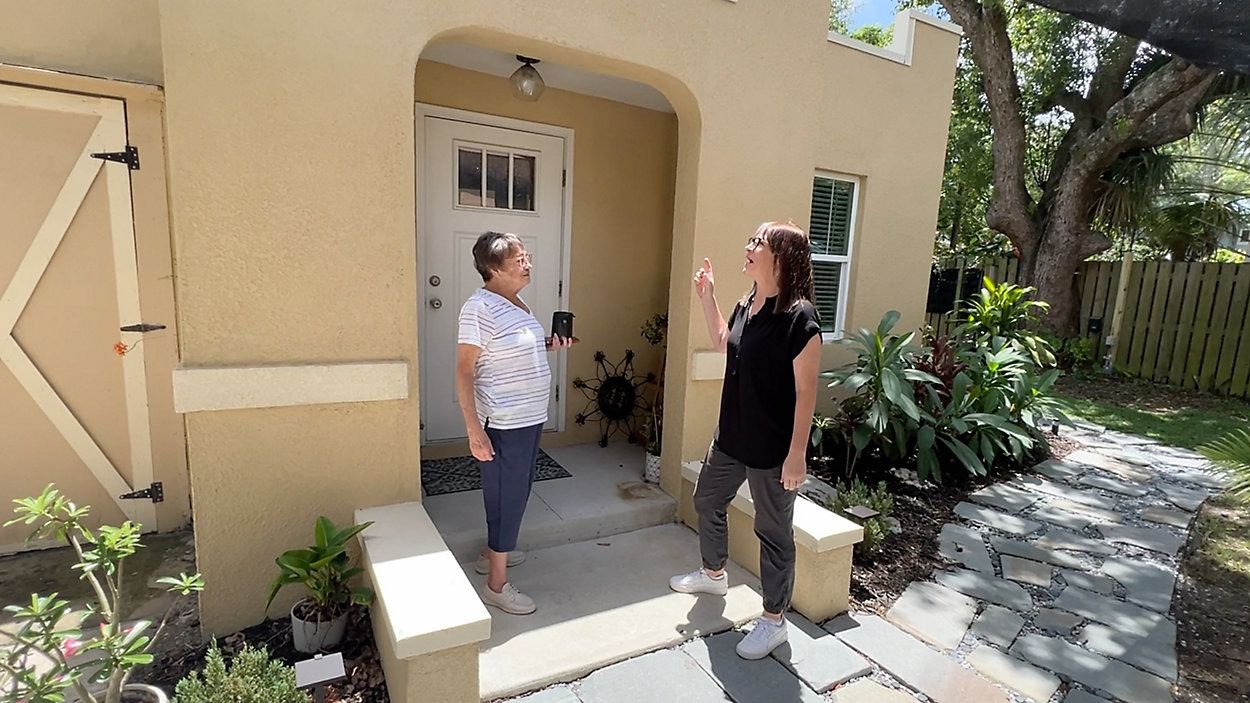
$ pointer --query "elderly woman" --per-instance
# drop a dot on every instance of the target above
(503, 384)
(772, 344)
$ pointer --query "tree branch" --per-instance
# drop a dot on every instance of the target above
(986, 27)
(1106, 86)
(1176, 119)
(1133, 116)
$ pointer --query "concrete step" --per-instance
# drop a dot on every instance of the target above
(603, 601)
(605, 496)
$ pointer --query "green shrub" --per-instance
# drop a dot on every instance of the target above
(883, 411)
(36, 659)
(1075, 354)
(325, 570)
(252, 677)
(1006, 311)
(877, 528)
(968, 403)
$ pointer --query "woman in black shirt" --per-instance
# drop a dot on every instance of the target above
(772, 345)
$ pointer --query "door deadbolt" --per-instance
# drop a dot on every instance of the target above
(435, 281)
(436, 303)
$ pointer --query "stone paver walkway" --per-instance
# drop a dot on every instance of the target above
(1057, 590)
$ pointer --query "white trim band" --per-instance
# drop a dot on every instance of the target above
(236, 387)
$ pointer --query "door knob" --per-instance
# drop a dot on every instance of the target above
(436, 303)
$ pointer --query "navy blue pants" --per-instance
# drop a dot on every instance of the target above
(506, 483)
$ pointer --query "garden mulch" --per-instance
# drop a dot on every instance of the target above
(365, 682)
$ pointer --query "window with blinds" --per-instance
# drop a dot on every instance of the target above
(833, 212)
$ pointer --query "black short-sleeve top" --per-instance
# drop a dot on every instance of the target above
(758, 397)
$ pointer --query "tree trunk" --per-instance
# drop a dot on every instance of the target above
(1056, 282)
(1179, 251)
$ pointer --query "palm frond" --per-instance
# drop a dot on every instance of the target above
(1232, 454)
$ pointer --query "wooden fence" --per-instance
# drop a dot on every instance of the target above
(1185, 324)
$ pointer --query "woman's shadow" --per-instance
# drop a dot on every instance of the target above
(764, 680)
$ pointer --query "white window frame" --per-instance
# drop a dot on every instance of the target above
(844, 284)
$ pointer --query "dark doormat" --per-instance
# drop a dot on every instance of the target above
(461, 473)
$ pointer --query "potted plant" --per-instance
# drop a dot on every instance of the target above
(325, 570)
(655, 331)
(50, 656)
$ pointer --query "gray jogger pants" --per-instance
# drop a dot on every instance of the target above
(774, 522)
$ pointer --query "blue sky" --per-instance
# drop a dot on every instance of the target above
(873, 12)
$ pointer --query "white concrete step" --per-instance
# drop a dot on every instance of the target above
(605, 496)
(603, 601)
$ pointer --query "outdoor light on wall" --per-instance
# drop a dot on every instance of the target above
(527, 85)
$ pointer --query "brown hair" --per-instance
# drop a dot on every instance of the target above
(792, 257)
(492, 250)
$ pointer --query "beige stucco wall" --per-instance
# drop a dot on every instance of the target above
(290, 129)
(624, 163)
(106, 38)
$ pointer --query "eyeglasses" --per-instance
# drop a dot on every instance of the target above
(523, 259)
(755, 242)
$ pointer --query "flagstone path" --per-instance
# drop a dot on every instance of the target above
(1058, 590)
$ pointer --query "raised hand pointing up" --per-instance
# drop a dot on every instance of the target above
(703, 279)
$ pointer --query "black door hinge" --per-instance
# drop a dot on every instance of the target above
(560, 291)
(143, 327)
(155, 493)
(557, 393)
(130, 157)
(564, 178)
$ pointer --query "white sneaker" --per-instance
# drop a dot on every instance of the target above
(509, 600)
(699, 582)
(483, 566)
(762, 639)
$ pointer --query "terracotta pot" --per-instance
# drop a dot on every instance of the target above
(311, 636)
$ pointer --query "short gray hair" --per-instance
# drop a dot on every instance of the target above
(491, 251)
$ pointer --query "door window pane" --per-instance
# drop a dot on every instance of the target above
(523, 183)
(469, 177)
(496, 181)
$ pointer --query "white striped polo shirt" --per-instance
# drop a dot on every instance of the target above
(512, 382)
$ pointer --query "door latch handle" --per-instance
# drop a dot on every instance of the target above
(143, 327)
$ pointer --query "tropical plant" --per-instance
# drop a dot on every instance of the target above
(942, 361)
(1190, 228)
(251, 677)
(855, 493)
(325, 569)
(1231, 453)
(1006, 310)
(823, 428)
(51, 630)
(881, 379)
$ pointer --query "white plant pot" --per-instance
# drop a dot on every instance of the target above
(143, 693)
(651, 471)
(311, 636)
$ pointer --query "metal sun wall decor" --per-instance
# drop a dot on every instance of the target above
(614, 397)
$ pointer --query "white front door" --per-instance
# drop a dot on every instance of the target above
(478, 179)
